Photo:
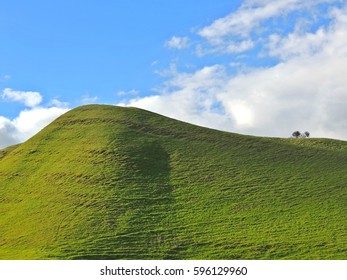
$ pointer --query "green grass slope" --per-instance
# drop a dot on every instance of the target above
(6, 151)
(105, 182)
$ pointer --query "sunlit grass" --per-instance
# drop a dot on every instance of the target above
(104, 182)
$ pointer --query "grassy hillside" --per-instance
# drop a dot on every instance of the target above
(104, 182)
(7, 150)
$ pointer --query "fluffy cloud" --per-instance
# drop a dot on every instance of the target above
(250, 15)
(89, 100)
(7, 133)
(306, 94)
(230, 47)
(301, 94)
(328, 40)
(29, 121)
(58, 103)
(6, 78)
(132, 92)
(234, 32)
(29, 98)
(304, 90)
(189, 97)
(177, 43)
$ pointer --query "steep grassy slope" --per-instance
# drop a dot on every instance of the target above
(105, 182)
(7, 150)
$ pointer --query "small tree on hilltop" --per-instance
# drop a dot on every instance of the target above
(296, 134)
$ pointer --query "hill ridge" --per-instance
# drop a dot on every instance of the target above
(105, 182)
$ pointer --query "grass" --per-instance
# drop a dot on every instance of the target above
(105, 182)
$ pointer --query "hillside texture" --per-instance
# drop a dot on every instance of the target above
(105, 182)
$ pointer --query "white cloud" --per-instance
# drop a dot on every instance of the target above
(301, 94)
(228, 47)
(178, 43)
(305, 90)
(27, 124)
(189, 97)
(306, 94)
(155, 62)
(6, 78)
(7, 133)
(29, 121)
(89, 100)
(234, 32)
(242, 113)
(29, 98)
(250, 15)
(58, 103)
(131, 92)
(329, 40)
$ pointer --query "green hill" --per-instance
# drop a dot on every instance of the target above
(105, 182)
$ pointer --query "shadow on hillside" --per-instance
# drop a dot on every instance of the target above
(151, 161)
(142, 226)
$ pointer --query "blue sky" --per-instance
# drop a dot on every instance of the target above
(255, 67)
(72, 49)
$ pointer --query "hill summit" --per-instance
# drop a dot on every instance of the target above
(106, 182)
